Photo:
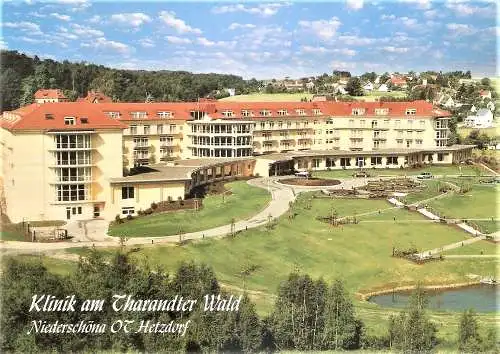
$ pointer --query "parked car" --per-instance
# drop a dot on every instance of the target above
(361, 174)
(425, 175)
(304, 174)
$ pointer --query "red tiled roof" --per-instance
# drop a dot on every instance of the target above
(49, 94)
(50, 116)
(398, 81)
(34, 115)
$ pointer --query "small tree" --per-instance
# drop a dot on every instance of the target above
(468, 335)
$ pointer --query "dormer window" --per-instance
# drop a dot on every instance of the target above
(411, 111)
(114, 115)
(246, 113)
(138, 115)
(381, 111)
(265, 113)
(49, 116)
(84, 120)
(358, 111)
(282, 112)
(228, 113)
(300, 112)
(164, 114)
(69, 120)
(316, 111)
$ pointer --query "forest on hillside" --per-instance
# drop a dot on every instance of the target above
(22, 76)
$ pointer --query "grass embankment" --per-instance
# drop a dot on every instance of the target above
(15, 232)
(245, 201)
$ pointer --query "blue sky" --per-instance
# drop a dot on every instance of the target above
(260, 39)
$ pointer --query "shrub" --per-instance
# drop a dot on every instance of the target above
(140, 212)
(148, 211)
(170, 199)
(129, 217)
(154, 206)
(118, 220)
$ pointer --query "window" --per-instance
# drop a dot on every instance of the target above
(397, 123)
(262, 125)
(300, 112)
(246, 113)
(127, 192)
(64, 158)
(133, 129)
(418, 141)
(351, 122)
(138, 115)
(159, 129)
(316, 163)
(329, 121)
(69, 120)
(71, 192)
(141, 142)
(166, 140)
(362, 123)
(316, 111)
(282, 112)
(197, 115)
(374, 123)
(358, 111)
(376, 145)
(164, 114)
(265, 112)
(392, 160)
(330, 162)
(228, 113)
(128, 211)
(73, 141)
(376, 160)
(422, 124)
(381, 111)
(84, 120)
(411, 111)
(49, 116)
(114, 115)
(147, 129)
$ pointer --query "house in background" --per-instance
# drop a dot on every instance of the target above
(50, 95)
(368, 86)
(95, 97)
(485, 94)
(398, 81)
(231, 91)
(482, 119)
(383, 88)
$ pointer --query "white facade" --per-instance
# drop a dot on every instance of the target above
(383, 88)
(482, 119)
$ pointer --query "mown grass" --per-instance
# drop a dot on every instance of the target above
(245, 201)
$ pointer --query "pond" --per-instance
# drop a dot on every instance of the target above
(481, 298)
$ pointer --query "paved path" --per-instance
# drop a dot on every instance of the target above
(468, 256)
(93, 233)
(451, 246)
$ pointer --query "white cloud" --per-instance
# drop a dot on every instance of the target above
(168, 17)
(103, 44)
(346, 51)
(355, 4)
(461, 8)
(324, 29)
(208, 43)
(264, 10)
(134, 19)
(342, 65)
(84, 31)
(388, 17)
(359, 41)
(460, 29)
(391, 49)
(177, 40)
(235, 25)
(264, 36)
(76, 5)
(25, 26)
(421, 4)
(95, 19)
(60, 16)
(146, 43)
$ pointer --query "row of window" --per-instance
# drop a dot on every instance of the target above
(160, 129)
(268, 113)
(72, 141)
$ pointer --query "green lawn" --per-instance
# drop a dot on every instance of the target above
(245, 201)
(477, 203)
(486, 247)
(11, 232)
(435, 170)
(269, 97)
(57, 266)
(491, 132)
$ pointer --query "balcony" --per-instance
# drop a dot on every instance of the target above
(141, 146)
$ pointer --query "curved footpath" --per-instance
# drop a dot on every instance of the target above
(281, 196)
